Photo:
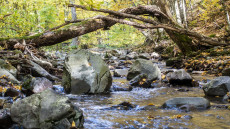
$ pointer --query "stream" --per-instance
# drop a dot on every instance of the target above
(96, 117)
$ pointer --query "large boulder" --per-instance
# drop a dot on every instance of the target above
(142, 66)
(46, 110)
(179, 77)
(192, 102)
(85, 72)
(217, 87)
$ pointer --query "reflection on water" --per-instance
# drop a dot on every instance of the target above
(95, 117)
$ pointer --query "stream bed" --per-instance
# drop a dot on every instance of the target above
(96, 117)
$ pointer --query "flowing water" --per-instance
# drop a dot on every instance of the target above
(96, 117)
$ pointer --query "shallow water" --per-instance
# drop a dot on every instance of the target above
(95, 117)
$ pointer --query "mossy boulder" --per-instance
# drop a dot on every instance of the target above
(46, 110)
(85, 72)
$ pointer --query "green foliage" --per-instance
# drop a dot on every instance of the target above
(37, 16)
(209, 9)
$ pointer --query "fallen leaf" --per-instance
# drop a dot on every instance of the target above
(150, 104)
(73, 124)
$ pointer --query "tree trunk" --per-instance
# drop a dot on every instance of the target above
(185, 13)
(184, 42)
(226, 13)
(75, 41)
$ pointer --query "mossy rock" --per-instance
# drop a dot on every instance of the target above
(26, 82)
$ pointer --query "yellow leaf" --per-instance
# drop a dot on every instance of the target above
(150, 117)
(176, 117)
(14, 98)
(150, 104)
(73, 124)
(163, 77)
(143, 79)
(18, 87)
(204, 73)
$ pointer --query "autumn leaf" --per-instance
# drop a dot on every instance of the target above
(151, 117)
(176, 117)
(73, 124)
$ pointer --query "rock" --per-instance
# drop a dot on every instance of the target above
(45, 110)
(38, 71)
(8, 75)
(115, 52)
(40, 84)
(122, 106)
(194, 102)
(149, 107)
(218, 86)
(141, 81)
(144, 56)
(142, 66)
(85, 72)
(119, 88)
(26, 81)
(5, 119)
(114, 58)
(11, 69)
(120, 72)
(226, 72)
(11, 92)
(173, 62)
(2, 101)
(226, 98)
(155, 55)
(132, 55)
(179, 77)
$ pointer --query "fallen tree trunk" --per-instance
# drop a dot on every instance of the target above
(182, 37)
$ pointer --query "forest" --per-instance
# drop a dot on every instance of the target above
(70, 64)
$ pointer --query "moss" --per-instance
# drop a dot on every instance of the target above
(27, 80)
(17, 52)
(66, 81)
(3, 39)
(184, 43)
(212, 35)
